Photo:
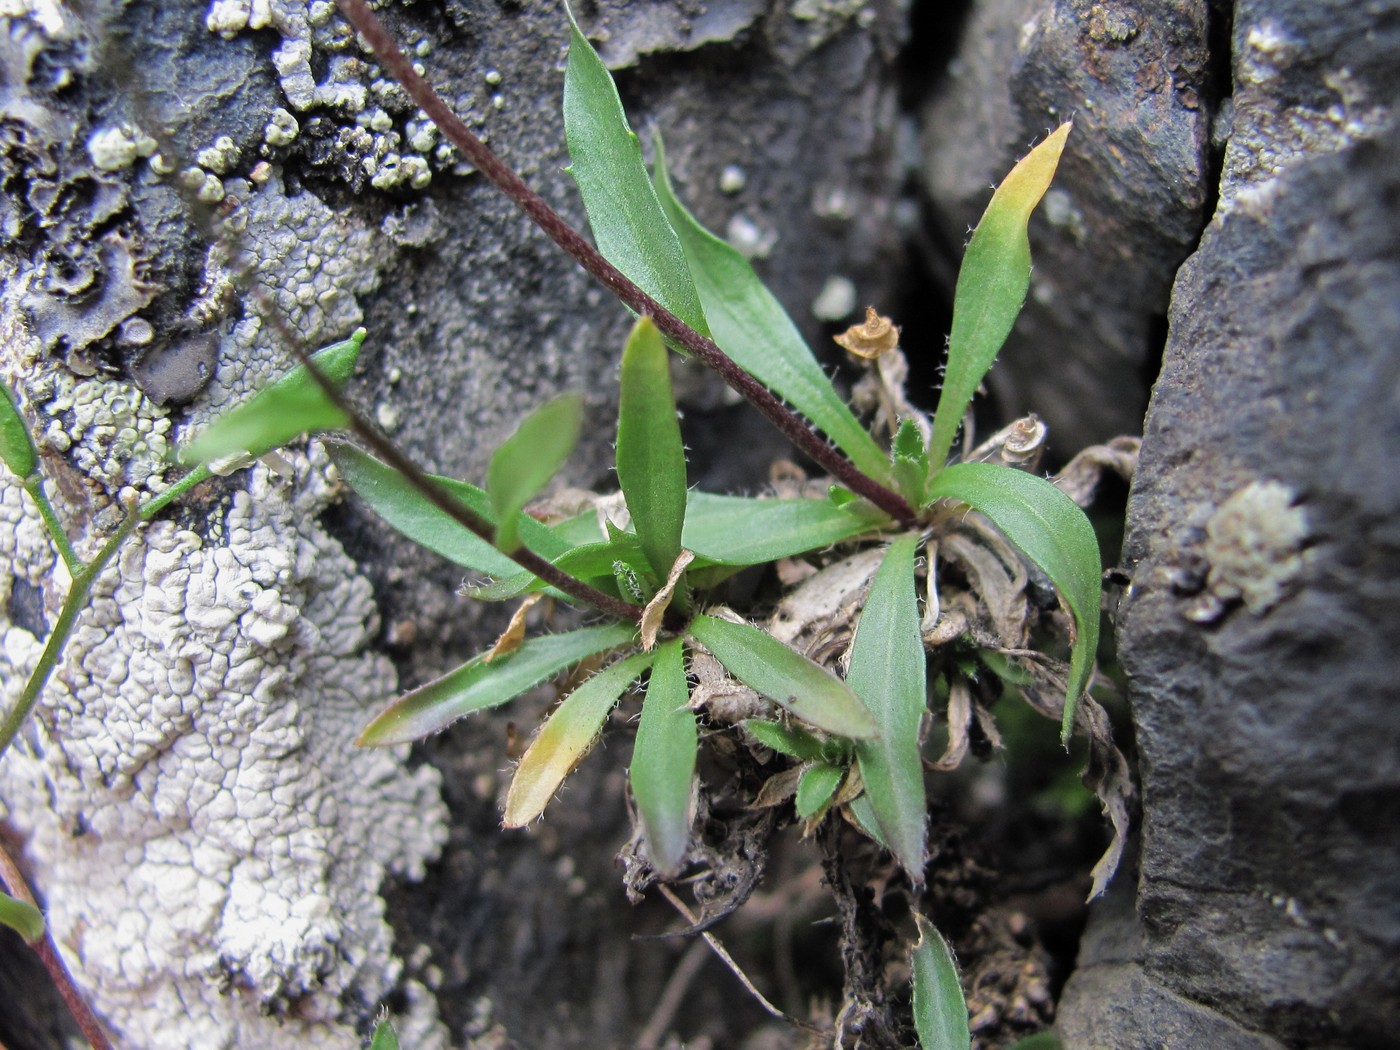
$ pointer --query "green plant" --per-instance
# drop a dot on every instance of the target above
(855, 738)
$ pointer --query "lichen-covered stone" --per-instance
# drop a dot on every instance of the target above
(191, 801)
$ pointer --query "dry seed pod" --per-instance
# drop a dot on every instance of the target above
(876, 336)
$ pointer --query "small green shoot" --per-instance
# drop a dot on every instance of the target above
(283, 410)
(786, 740)
(22, 917)
(816, 789)
(650, 454)
(910, 461)
(940, 1011)
(526, 461)
(384, 1036)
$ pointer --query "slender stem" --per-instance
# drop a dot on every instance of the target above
(156, 504)
(522, 556)
(788, 422)
(15, 884)
(34, 485)
(464, 516)
(734, 968)
(73, 604)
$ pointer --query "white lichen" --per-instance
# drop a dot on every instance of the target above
(220, 157)
(118, 436)
(210, 842)
(1271, 133)
(836, 300)
(1255, 544)
(114, 148)
(748, 238)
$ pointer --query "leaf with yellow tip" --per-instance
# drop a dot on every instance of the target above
(477, 685)
(992, 285)
(566, 736)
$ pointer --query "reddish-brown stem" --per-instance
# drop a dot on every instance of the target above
(14, 883)
(793, 427)
(522, 556)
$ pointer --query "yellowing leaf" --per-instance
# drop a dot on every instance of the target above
(992, 285)
(566, 736)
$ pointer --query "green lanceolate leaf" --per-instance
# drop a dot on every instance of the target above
(992, 284)
(477, 685)
(1051, 531)
(384, 1037)
(526, 460)
(766, 665)
(736, 530)
(887, 672)
(864, 814)
(393, 498)
(22, 917)
(606, 161)
(650, 454)
(291, 406)
(786, 740)
(910, 461)
(16, 448)
(752, 327)
(940, 1011)
(1039, 1041)
(566, 736)
(663, 760)
(816, 789)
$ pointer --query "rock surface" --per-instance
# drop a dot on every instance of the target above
(1263, 685)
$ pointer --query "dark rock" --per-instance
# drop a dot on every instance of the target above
(177, 371)
(1128, 203)
(1269, 892)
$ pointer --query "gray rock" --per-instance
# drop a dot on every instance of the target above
(1258, 633)
(1129, 200)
